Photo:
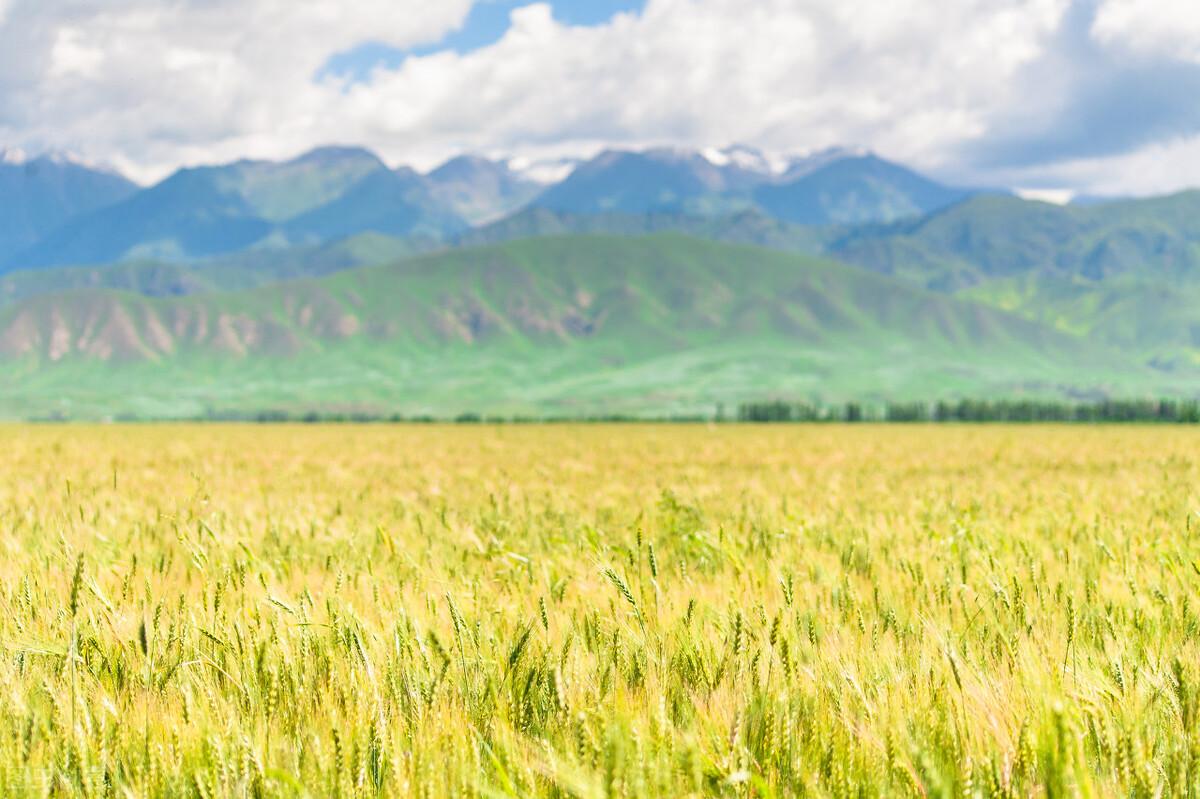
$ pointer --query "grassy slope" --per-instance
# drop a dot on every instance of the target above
(565, 325)
(1125, 274)
(1153, 320)
(992, 237)
(234, 272)
(744, 227)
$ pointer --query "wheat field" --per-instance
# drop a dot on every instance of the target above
(599, 611)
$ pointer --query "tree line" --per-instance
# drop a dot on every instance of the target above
(973, 410)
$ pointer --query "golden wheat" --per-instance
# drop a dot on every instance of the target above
(599, 611)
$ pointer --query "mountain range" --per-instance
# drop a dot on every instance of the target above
(335, 192)
(657, 281)
(324, 195)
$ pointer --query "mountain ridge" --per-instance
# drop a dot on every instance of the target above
(201, 212)
(40, 194)
(337, 191)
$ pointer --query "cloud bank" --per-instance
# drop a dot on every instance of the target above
(985, 90)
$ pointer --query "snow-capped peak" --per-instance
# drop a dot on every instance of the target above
(543, 170)
(69, 158)
(803, 162)
(16, 156)
(13, 156)
(748, 159)
(1052, 196)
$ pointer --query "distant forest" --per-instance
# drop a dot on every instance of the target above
(970, 410)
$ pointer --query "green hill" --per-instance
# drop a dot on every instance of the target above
(743, 227)
(1156, 321)
(236, 271)
(1125, 274)
(565, 325)
(989, 237)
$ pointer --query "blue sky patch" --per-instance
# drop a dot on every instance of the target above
(485, 25)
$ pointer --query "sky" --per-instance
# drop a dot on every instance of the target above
(1094, 96)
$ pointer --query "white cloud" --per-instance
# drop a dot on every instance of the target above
(1155, 28)
(906, 78)
(1158, 168)
(148, 86)
(72, 56)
